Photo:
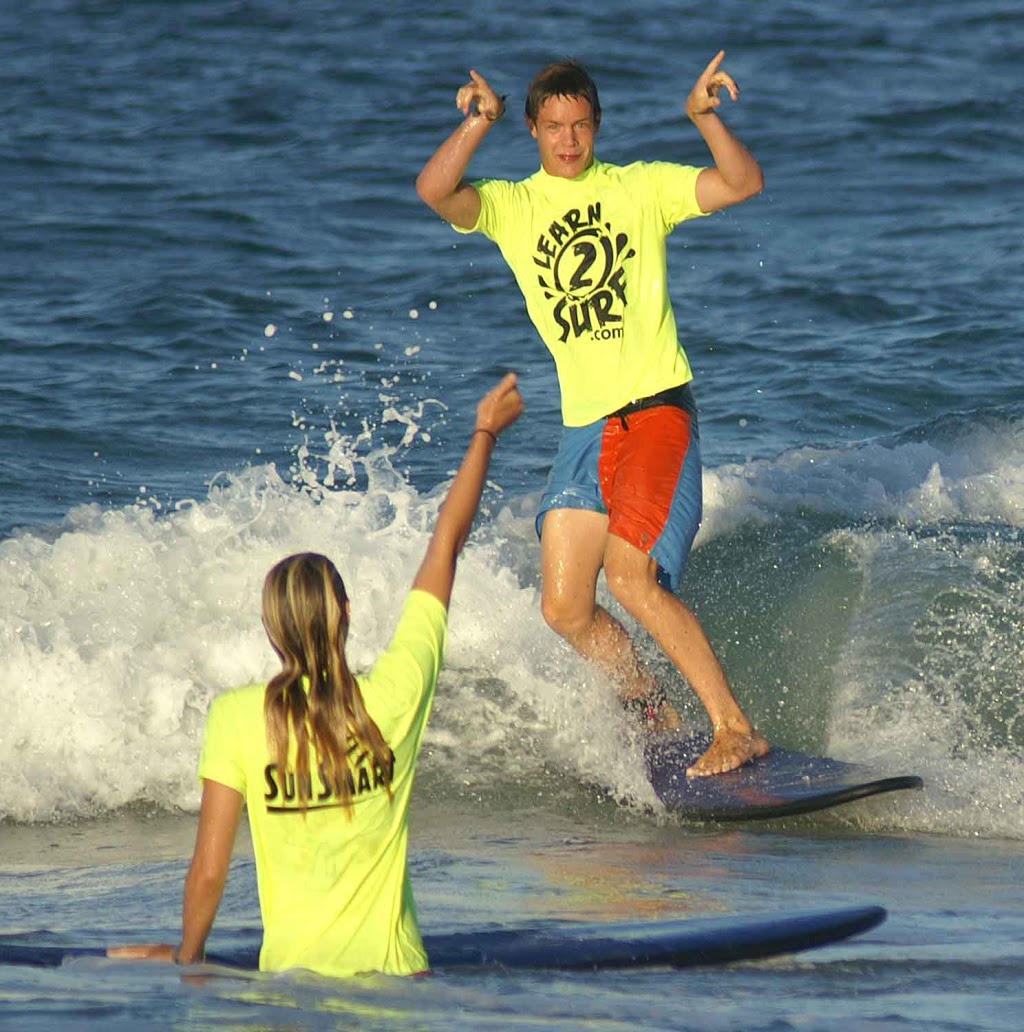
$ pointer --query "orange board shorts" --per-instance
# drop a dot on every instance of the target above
(643, 469)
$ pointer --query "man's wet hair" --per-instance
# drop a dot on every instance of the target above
(566, 78)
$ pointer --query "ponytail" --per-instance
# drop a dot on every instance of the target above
(315, 699)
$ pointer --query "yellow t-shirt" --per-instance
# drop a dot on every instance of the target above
(335, 894)
(589, 256)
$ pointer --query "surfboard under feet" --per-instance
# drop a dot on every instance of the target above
(782, 784)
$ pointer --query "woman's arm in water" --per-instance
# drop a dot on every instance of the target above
(498, 410)
(219, 814)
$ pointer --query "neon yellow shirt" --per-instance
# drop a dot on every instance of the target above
(335, 894)
(589, 256)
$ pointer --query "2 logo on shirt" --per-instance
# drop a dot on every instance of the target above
(582, 259)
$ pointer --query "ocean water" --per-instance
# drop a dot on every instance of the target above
(229, 330)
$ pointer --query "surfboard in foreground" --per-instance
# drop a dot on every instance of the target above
(559, 946)
(781, 784)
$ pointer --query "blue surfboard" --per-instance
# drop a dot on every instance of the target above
(557, 945)
(782, 784)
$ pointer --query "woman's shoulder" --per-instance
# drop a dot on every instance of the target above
(424, 601)
(245, 691)
(241, 699)
(407, 672)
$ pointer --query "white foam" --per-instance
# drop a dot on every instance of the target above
(118, 633)
(930, 680)
(977, 476)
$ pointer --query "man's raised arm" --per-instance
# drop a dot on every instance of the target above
(736, 175)
(441, 185)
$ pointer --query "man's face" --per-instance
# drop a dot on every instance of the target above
(565, 133)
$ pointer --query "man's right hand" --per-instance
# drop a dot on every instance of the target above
(479, 95)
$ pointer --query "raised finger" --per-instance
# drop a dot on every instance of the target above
(479, 80)
(713, 65)
(503, 403)
(505, 391)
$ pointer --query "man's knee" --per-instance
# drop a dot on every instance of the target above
(632, 578)
(564, 618)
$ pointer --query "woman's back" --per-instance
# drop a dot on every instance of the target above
(334, 890)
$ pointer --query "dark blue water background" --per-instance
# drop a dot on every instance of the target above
(216, 272)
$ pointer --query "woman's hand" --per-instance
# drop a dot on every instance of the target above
(500, 407)
(160, 951)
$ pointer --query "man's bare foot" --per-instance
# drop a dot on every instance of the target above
(728, 751)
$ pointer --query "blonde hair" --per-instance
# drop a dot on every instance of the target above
(306, 618)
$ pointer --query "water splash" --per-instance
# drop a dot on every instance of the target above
(122, 627)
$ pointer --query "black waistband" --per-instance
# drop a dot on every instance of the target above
(679, 397)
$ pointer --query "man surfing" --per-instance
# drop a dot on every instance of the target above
(586, 242)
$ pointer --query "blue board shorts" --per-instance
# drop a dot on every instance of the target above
(641, 467)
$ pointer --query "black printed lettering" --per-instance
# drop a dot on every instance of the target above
(325, 787)
(558, 232)
(365, 775)
(548, 250)
(580, 317)
(559, 317)
(617, 282)
(601, 303)
(587, 254)
(269, 772)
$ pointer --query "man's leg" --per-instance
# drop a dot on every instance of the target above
(573, 543)
(633, 579)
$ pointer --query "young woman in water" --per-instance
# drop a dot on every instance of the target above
(324, 760)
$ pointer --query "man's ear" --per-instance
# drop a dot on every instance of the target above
(531, 125)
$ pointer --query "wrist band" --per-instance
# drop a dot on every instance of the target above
(490, 433)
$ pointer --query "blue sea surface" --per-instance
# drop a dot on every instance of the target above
(229, 330)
